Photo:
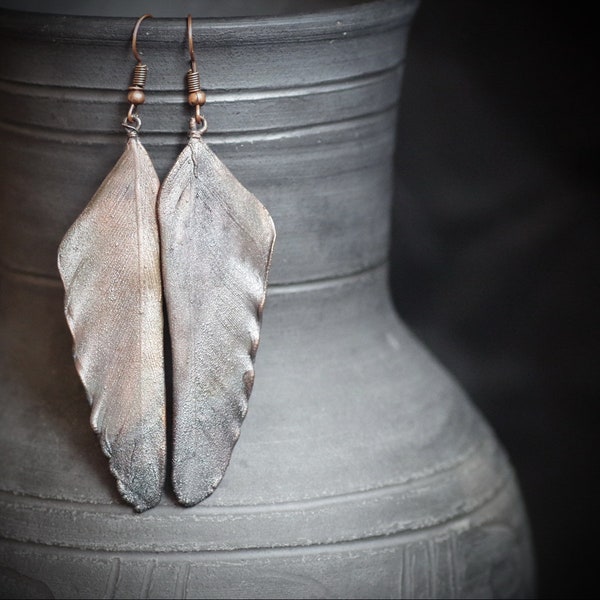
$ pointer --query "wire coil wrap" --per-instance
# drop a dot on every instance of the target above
(193, 82)
(140, 73)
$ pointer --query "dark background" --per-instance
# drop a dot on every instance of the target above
(495, 244)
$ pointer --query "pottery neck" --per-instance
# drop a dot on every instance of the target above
(301, 109)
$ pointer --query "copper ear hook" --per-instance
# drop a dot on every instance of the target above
(190, 35)
(134, 37)
(196, 97)
(136, 90)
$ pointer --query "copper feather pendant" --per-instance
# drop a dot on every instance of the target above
(110, 266)
(216, 243)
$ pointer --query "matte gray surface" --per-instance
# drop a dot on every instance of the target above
(291, 101)
(174, 8)
(362, 470)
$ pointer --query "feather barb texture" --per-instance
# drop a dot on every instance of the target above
(109, 261)
(216, 244)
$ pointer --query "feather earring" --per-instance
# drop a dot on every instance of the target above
(110, 266)
(216, 245)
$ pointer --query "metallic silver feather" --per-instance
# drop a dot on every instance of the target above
(216, 243)
(109, 263)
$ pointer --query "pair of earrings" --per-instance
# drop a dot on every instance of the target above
(207, 242)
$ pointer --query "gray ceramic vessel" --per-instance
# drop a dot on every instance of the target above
(362, 470)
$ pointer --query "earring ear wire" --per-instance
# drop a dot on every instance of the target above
(196, 96)
(136, 95)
